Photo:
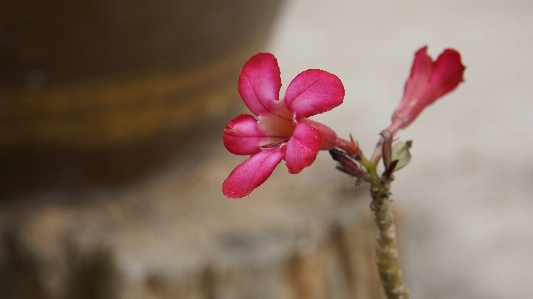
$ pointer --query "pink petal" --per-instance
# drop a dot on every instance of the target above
(313, 92)
(251, 173)
(302, 148)
(259, 85)
(447, 72)
(422, 65)
(242, 135)
(418, 80)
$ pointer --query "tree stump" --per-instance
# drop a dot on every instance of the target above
(176, 236)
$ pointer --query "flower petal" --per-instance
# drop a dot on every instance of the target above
(418, 80)
(447, 72)
(251, 173)
(259, 85)
(243, 136)
(313, 92)
(422, 65)
(302, 148)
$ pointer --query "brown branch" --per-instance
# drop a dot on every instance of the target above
(387, 256)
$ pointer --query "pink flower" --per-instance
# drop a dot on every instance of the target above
(428, 81)
(281, 130)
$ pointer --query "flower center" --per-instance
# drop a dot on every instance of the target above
(274, 145)
(275, 126)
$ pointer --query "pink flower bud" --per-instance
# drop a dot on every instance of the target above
(429, 80)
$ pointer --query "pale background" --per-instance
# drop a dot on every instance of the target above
(467, 194)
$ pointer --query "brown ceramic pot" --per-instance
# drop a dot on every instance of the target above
(104, 91)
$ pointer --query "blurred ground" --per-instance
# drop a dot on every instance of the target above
(467, 192)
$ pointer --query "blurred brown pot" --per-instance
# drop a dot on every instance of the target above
(104, 91)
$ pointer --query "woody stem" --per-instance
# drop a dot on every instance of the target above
(387, 255)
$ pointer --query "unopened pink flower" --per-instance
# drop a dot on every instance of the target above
(429, 80)
(282, 130)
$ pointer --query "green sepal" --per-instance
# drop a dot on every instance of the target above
(400, 152)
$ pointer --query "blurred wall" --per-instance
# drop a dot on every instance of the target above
(468, 189)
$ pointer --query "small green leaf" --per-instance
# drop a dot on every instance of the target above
(400, 152)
